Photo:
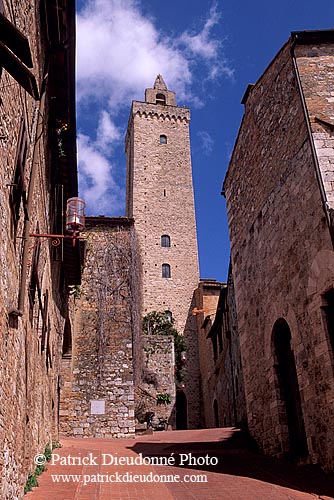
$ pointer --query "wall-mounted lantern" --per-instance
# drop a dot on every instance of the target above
(75, 215)
(75, 222)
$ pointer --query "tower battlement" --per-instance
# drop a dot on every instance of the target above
(160, 110)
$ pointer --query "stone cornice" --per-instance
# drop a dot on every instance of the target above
(160, 111)
(93, 221)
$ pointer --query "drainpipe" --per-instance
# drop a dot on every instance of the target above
(37, 126)
(309, 131)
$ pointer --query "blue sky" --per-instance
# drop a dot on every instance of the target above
(207, 51)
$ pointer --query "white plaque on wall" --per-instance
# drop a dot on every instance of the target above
(97, 407)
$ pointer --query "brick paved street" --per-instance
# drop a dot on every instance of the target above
(240, 474)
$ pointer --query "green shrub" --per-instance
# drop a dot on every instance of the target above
(164, 398)
(31, 482)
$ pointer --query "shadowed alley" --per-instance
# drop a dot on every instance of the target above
(221, 460)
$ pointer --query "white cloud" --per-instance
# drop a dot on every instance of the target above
(206, 142)
(107, 133)
(201, 44)
(205, 46)
(96, 183)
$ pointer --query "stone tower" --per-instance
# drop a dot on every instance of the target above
(161, 201)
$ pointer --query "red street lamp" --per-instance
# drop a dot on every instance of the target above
(75, 222)
(75, 215)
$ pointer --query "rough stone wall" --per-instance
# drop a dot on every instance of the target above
(30, 343)
(236, 379)
(192, 384)
(222, 388)
(207, 296)
(158, 377)
(282, 261)
(97, 397)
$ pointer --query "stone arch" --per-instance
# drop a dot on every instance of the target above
(291, 422)
(181, 410)
(282, 311)
(160, 99)
(67, 340)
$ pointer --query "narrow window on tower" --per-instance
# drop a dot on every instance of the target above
(166, 271)
(163, 139)
(160, 99)
(165, 240)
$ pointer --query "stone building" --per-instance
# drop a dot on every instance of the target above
(147, 261)
(111, 373)
(101, 361)
(160, 199)
(222, 389)
(280, 200)
(37, 175)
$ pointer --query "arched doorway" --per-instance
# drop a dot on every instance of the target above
(67, 340)
(181, 411)
(289, 388)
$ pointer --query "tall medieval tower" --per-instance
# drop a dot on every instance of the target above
(161, 201)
